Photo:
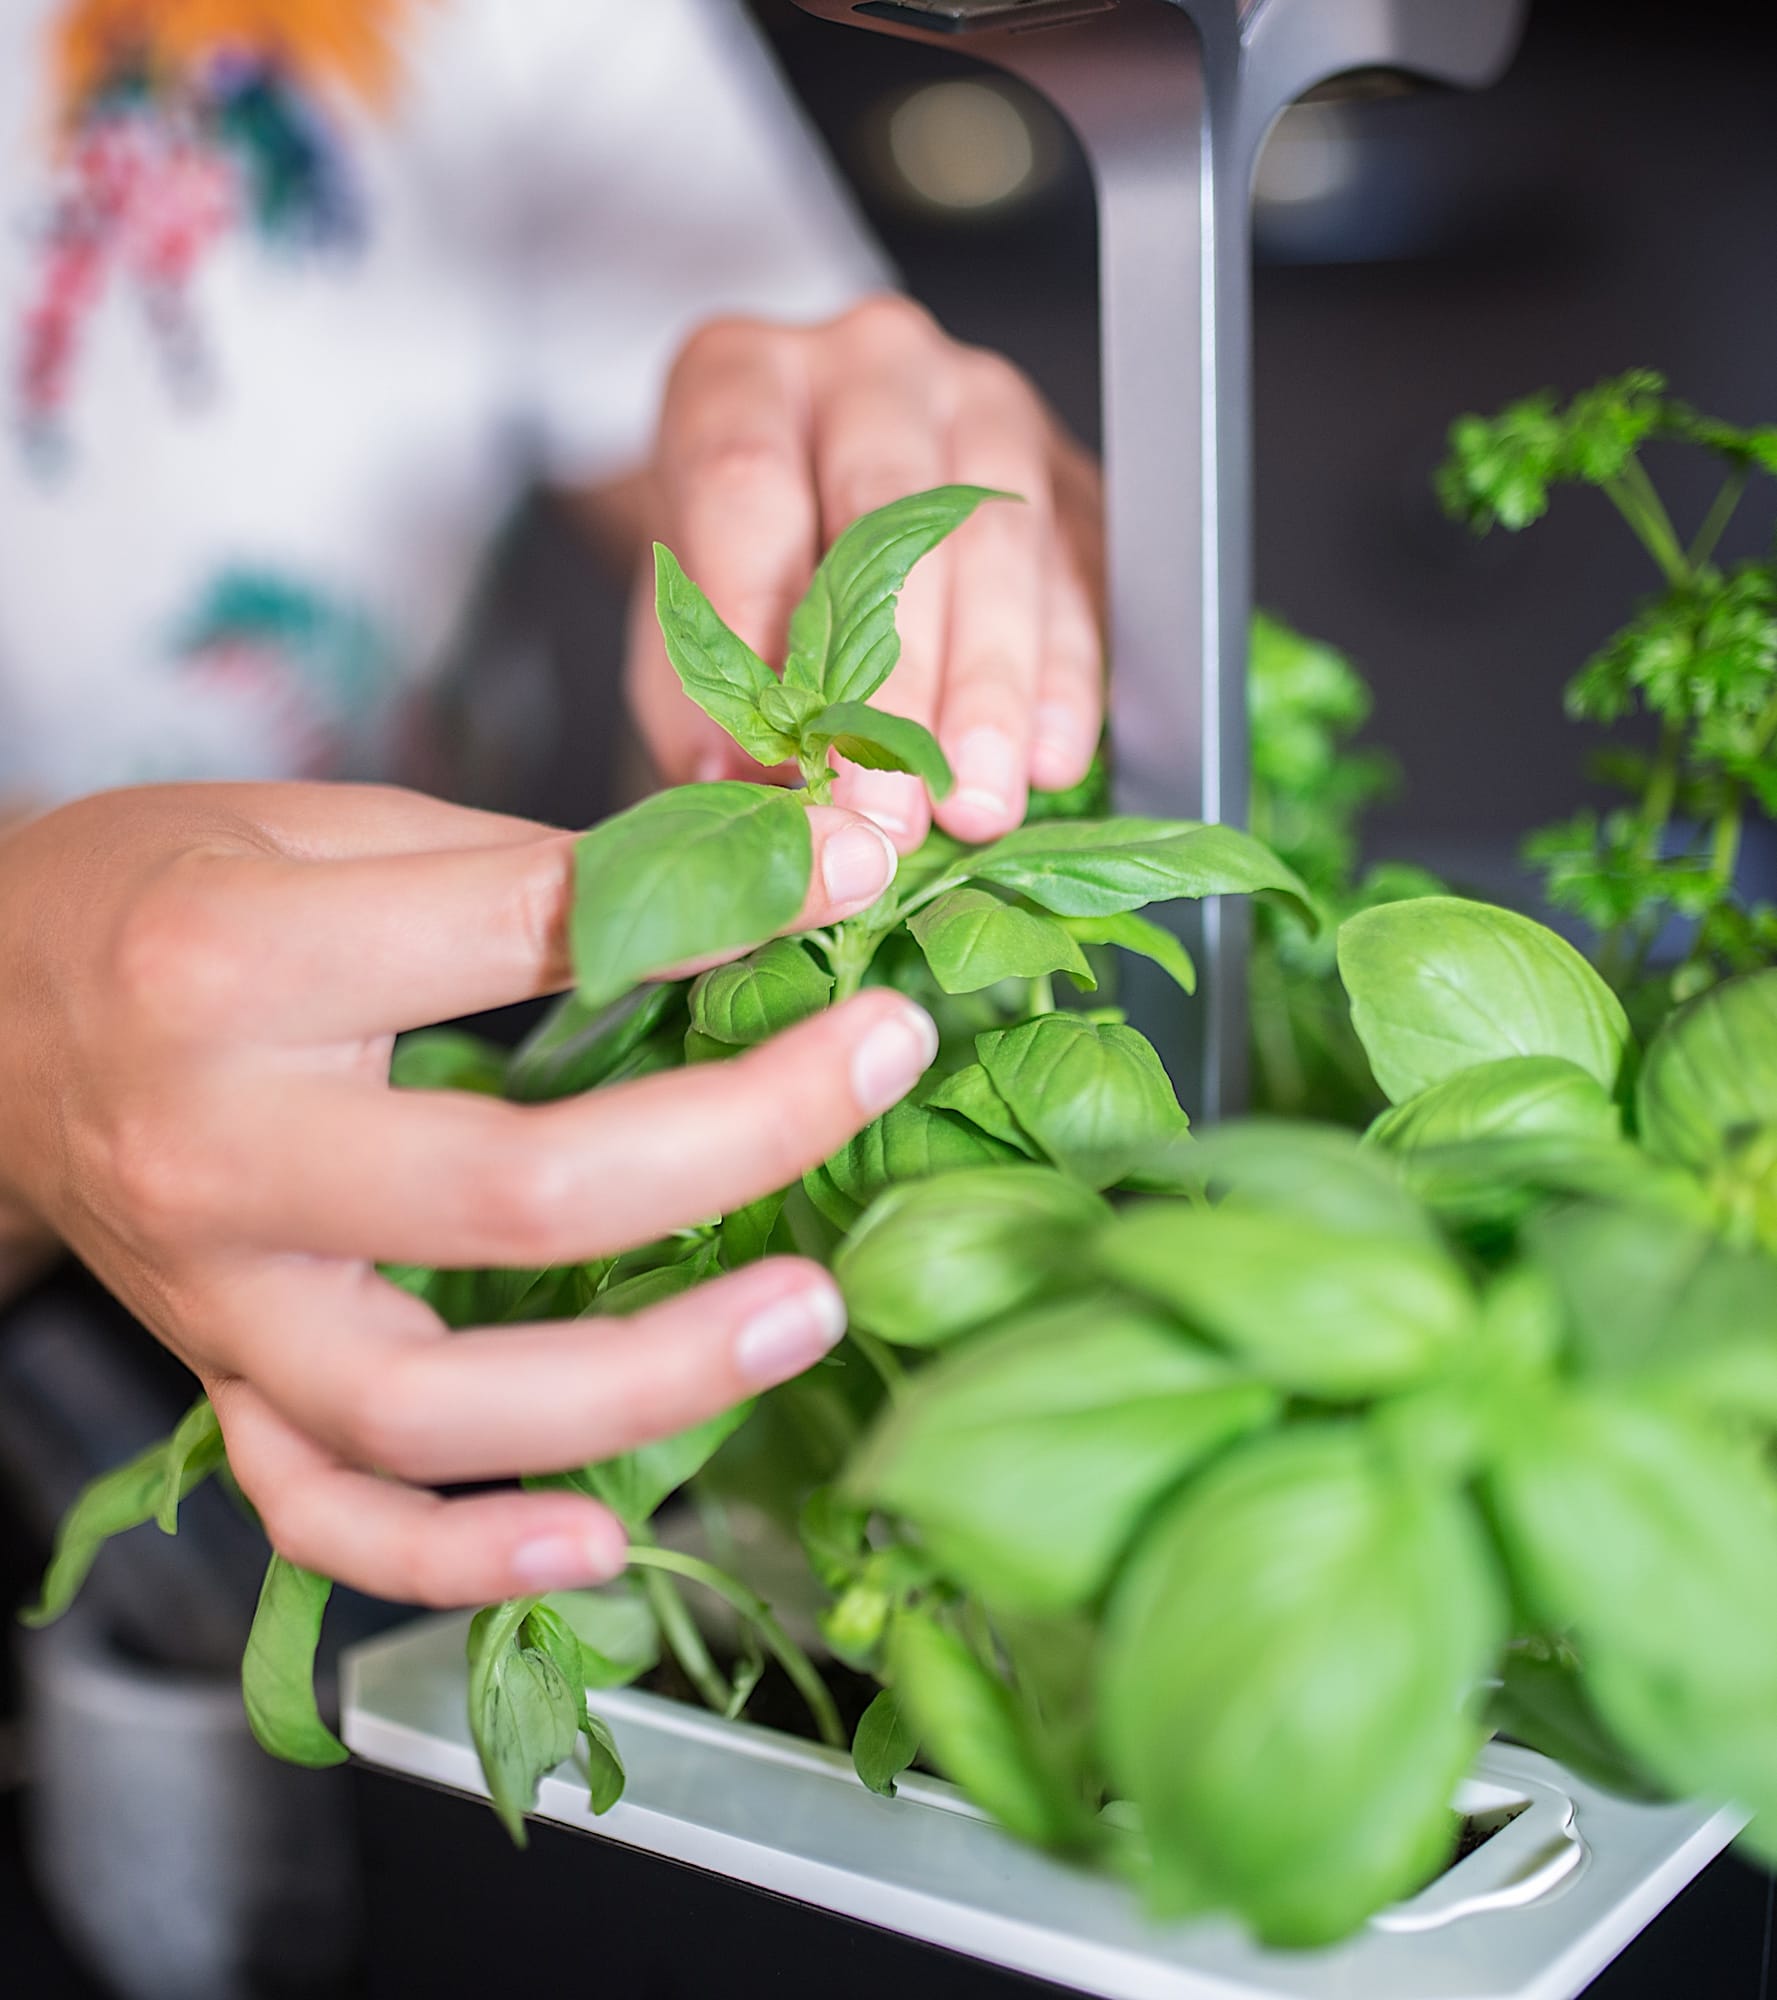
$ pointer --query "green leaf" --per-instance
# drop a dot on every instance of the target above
(634, 1485)
(278, 1667)
(716, 668)
(114, 1503)
(1145, 939)
(523, 1712)
(880, 742)
(1496, 1182)
(843, 643)
(194, 1451)
(550, 1632)
(605, 1775)
(619, 1639)
(972, 939)
(978, 1734)
(747, 1233)
(1511, 1097)
(1289, 1682)
(448, 1059)
(753, 998)
(1097, 868)
(935, 1258)
(835, 1536)
(970, 1093)
(687, 874)
(1027, 1458)
(909, 1142)
(1094, 1099)
(884, 1743)
(1439, 984)
(1652, 1538)
(577, 1047)
(1310, 1308)
(1541, 1703)
(1313, 1172)
(1710, 1078)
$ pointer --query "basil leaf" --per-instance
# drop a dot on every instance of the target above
(978, 1734)
(1315, 1172)
(523, 1713)
(619, 1639)
(746, 1234)
(1710, 1078)
(716, 668)
(1027, 1458)
(1309, 1308)
(835, 1536)
(835, 1208)
(753, 998)
(635, 1485)
(937, 1257)
(1096, 868)
(687, 874)
(971, 939)
(117, 1501)
(1510, 1097)
(278, 1667)
(1094, 1099)
(447, 1059)
(193, 1452)
(1541, 1702)
(971, 1094)
(575, 1048)
(1654, 1299)
(843, 642)
(884, 1744)
(909, 1142)
(1652, 1538)
(546, 1629)
(880, 742)
(605, 1775)
(1145, 939)
(1289, 1680)
(1438, 984)
(1499, 1181)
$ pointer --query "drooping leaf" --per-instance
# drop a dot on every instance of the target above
(976, 1731)
(1710, 1077)
(1510, 1097)
(1289, 1685)
(576, 1048)
(1027, 1458)
(1309, 1308)
(751, 999)
(523, 1713)
(879, 742)
(615, 1625)
(550, 1632)
(973, 939)
(634, 1485)
(1137, 934)
(687, 874)
(843, 643)
(605, 1775)
(884, 1744)
(1097, 868)
(716, 667)
(278, 1667)
(194, 1451)
(1439, 984)
(932, 1259)
(1095, 1099)
(447, 1059)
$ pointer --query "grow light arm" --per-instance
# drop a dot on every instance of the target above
(1171, 100)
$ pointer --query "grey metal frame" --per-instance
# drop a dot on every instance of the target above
(1172, 100)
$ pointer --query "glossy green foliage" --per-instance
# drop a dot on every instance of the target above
(278, 1667)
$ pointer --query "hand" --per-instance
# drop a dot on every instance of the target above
(773, 439)
(198, 991)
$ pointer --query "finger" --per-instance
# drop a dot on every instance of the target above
(451, 1178)
(401, 1543)
(351, 1362)
(333, 822)
(879, 434)
(1069, 713)
(735, 474)
(998, 599)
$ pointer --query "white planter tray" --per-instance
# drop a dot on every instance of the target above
(1533, 1914)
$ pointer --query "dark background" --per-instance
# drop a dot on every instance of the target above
(1612, 203)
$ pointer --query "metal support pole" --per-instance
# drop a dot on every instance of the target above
(1171, 100)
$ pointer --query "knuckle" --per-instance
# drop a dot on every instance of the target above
(733, 467)
(384, 1424)
(525, 1195)
(154, 1178)
(990, 381)
(889, 322)
(172, 961)
(865, 483)
(716, 343)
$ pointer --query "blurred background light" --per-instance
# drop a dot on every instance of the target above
(965, 146)
(1311, 155)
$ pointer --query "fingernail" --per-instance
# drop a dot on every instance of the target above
(789, 1335)
(986, 766)
(563, 1562)
(857, 864)
(1059, 735)
(893, 1057)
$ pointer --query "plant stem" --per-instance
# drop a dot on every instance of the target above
(1042, 994)
(752, 1607)
(1633, 496)
(679, 1629)
(1715, 522)
(882, 1359)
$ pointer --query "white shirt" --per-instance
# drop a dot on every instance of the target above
(253, 581)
